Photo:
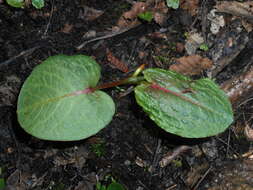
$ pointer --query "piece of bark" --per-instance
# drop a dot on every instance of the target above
(244, 10)
(240, 87)
(226, 47)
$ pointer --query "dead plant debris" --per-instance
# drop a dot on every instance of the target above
(116, 62)
(191, 65)
(241, 9)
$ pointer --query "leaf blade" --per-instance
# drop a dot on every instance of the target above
(203, 112)
(47, 107)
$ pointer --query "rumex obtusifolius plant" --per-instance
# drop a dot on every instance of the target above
(61, 101)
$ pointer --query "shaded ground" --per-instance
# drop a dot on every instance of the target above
(130, 147)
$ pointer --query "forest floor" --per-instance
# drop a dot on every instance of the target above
(130, 149)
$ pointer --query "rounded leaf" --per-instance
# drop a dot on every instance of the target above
(54, 105)
(16, 3)
(38, 4)
(179, 105)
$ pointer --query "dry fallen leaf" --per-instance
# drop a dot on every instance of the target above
(158, 9)
(244, 9)
(130, 17)
(191, 65)
(248, 131)
(194, 40)
(67, 28)
(116, 62)
(89, 14)
(191, 6)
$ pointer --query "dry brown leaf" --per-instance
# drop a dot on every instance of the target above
(247, 25)
(244, 10)
(129, 17)
(90, 14)
(116, 62)
(191, 6)
(159, 10)
(248, 131)
(67, 28)
(191, 65)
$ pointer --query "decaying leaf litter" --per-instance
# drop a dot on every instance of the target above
(133, 149)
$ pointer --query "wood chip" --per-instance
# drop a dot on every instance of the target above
(240, 87)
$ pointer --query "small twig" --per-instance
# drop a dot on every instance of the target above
(50, 18)
(155, 157)
(25, 52)
(142, 184)
(237, 154)
(176, 152)
(229, 135)
(203, 177)
(113, 34)
(172, 187)
(204, 19)
(15, 141)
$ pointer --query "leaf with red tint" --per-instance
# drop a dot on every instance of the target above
(203, 113)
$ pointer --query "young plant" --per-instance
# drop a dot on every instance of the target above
(61, 101)
(38, 4)
(173, 3)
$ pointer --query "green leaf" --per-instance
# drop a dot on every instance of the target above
(38, 4)
(173, 3)
(204, 47)
(115, 186)
(2, 183)
(147, 16)
(55, 102)
(99, 186)
(192, 109)
(16, 3)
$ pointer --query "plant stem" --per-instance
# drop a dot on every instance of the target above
(130, 80)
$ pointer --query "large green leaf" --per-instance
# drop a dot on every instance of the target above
(16, 3)
(54, 105)
(192, 109)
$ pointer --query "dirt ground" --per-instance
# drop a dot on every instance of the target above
(130, 148)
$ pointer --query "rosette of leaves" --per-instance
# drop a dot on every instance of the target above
(60, 101)
(56, 101)
(38, 4)
(179, 105)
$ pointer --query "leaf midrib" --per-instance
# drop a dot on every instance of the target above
(55, 99)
